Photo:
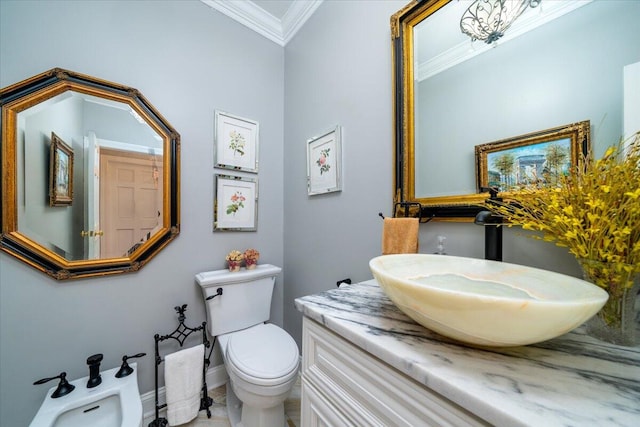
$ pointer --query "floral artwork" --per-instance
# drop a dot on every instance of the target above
(236, 143)
(322, 161)
(237, 202)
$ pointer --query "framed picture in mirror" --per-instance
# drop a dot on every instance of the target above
(236, 143)
(324, 163)
(60, 172)
(235, 207)
(538, 158)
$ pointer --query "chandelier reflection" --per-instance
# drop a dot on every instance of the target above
(487, 20)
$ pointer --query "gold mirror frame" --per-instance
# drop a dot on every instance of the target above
(38, 89)
(458, 208)
(443, 208)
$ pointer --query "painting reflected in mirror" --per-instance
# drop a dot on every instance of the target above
(93, 173)
(60, 172)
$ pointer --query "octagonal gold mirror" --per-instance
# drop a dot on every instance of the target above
(90, 176)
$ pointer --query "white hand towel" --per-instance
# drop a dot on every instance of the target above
(183, 383)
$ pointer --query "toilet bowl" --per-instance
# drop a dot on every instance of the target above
(261, 359)
(262, 363)
(114, 403)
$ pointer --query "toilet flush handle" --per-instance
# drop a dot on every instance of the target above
(218, 293)
(63, 386)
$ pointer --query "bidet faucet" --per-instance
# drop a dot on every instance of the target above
(94, 370)
(63, 388)
(125, 369)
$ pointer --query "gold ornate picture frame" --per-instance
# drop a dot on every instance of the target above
(535, 158)
(60, 172)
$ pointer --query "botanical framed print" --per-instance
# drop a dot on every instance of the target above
(60, 172)
(236, 203)
(536, 158)
(236, 143)
(324, 163)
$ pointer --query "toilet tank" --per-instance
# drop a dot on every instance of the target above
(245, 300)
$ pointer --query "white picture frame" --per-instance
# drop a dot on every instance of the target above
(235, 143)
(324, 163)
(235, 206)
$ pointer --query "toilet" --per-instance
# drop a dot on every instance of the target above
(261, 359)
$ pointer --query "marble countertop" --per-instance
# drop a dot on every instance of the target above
(572, 380)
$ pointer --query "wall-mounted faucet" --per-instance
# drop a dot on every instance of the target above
(492, 228)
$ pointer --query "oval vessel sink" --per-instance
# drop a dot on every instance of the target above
(487, 303)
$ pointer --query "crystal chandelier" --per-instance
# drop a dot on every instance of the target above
(487, 20)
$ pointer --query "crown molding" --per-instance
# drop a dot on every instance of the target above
(254, 17)
(464, 51)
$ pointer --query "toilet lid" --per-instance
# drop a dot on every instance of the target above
(263, 352)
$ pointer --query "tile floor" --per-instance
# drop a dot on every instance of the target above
(219, 409)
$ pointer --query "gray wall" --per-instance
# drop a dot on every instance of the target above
(188, 60)
(337, 72)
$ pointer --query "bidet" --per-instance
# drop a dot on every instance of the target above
(113, 403)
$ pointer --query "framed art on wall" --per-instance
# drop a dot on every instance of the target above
(324, 163)
(235, 206)
(236, 143)
(60, 173)
(536, 158)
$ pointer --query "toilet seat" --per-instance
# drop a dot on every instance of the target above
(263, 355)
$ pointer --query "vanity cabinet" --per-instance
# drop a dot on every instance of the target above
(342, 385)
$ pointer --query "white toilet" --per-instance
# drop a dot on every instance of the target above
(261, 359)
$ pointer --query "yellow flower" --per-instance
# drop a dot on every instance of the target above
(593, 210)
(633, 194)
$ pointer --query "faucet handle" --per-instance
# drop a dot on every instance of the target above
(125, 369)
(63, 386)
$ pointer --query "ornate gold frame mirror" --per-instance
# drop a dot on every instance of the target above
(118, 173)
(403, 25)
(452, 94)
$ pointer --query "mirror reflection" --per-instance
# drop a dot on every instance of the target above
(117, 177)
(562, 62)
(90, 176)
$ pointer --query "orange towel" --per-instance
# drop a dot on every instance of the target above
(400, 236)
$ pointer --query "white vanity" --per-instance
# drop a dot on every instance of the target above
(366, 364)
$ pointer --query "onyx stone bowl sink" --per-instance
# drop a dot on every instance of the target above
(486, 303)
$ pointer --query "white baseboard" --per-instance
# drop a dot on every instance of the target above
(216, 377)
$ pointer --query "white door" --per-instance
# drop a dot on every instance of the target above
(92, 203)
